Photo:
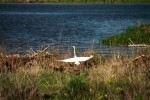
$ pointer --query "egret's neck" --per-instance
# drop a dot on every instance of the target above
(74, 51)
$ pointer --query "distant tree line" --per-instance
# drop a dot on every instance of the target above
(74, 1)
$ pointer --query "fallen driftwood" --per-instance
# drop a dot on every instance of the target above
(137, 45)
(142, 62)
(12, 61)
(40, 51)
(136, 58)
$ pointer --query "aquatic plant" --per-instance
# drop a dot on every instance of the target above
(138, 34)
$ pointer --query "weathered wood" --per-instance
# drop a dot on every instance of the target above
(138, 45)
(13, 61)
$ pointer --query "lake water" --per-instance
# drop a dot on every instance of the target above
(32, 25)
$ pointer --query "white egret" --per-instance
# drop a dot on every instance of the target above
(76, 59)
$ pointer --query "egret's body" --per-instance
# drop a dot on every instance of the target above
(76, 59)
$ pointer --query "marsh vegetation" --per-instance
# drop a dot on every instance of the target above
(40, 76)
(137, 34)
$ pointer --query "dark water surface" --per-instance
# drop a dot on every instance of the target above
(31, 25)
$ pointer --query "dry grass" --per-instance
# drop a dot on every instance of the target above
(42, 77)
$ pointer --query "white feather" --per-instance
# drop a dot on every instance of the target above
(76, 59)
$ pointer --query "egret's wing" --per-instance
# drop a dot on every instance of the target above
(68, 60)
(84, 58)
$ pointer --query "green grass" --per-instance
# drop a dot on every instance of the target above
(138, 34)
(109, 79)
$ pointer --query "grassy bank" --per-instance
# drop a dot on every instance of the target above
(74, 1)
(42, 77)
(138, 34)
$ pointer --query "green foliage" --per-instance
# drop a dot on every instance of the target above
(51, 82)
(139, 35)
(15, 87)
(78, 88)
(47, 82)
